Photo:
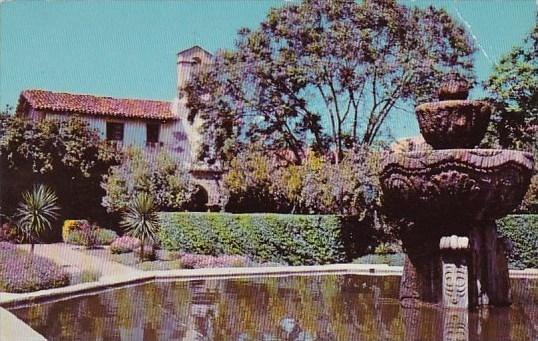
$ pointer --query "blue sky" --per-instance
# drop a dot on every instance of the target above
(127, 48)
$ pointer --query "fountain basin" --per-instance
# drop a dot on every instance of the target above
(454, 185)
(453, 123)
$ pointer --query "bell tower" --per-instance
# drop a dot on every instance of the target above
(189, 62)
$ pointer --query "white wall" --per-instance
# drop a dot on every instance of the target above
(173, 134)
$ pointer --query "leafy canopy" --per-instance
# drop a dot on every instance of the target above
(513, 87)
(326, 74)
(160, 176)
(67, 155)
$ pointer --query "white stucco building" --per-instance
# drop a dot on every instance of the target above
(148, 124)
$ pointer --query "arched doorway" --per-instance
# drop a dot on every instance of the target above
(199, 200)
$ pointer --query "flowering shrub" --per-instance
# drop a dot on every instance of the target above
(89, 236)
(70, 226)
(6, 247)
(124, 244)
(21, 271)
(193, 261)
(10, 233)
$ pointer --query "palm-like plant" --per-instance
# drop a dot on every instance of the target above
(141, 221)
(37, 211)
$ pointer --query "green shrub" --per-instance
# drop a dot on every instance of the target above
(392, 259)
(102, 237)
(71, 225)
(106, 236)
(522, 231)
(75, 237)
(90, 275)
(288, 239)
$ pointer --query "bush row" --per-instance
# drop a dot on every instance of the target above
(522, 231)
(277, 238)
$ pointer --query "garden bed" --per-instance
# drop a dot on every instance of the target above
(164, 260)
(171, 260)
(21, 271)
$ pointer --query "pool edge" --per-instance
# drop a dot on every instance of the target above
(11, 300)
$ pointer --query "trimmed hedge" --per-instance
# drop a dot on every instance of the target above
(522, 231)
(280, 238)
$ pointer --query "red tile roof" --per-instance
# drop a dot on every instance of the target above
(96, 105)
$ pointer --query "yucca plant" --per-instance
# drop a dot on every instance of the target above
(37, 211)
(140, 220)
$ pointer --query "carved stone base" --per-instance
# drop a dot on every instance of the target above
(458, 272)
(490, 268)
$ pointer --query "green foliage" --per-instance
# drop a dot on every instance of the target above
(67, 155)
(279, 238)
(513, 86)
(37, 211)
(71, 225)
(522, 231)
(102, 237)
(90, 275)
(325, 75)
(162, 177)
(106, 236)
(257, 182)
(392, 259)
(140, 220)
(530, 201)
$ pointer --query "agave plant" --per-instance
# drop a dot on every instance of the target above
(140, 220)
(37, 211)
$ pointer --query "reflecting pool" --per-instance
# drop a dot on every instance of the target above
(298, 308)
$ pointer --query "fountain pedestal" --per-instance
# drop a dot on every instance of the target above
(456, 267)
(462, 272)
(446, 202)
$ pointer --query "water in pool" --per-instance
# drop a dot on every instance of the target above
(298, 308)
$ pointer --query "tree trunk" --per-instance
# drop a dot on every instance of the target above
(142, 250)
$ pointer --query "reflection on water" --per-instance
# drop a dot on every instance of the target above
(297, 308)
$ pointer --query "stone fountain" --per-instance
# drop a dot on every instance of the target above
(446, 201)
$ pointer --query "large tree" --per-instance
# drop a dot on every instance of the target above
(326, 74)
(513, 87)
(66, 155)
